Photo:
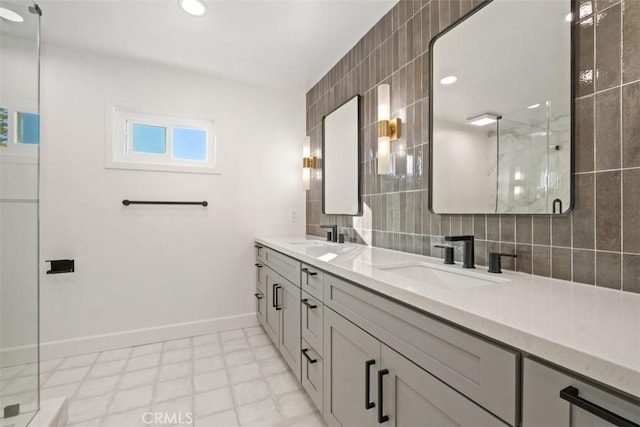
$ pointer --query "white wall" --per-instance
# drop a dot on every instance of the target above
(18, 207)
(151, 267)
(462, 156)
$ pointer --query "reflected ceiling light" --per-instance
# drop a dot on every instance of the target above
(483, 120)
(531, 107)
(193, 7)
(10, 15)
(448, 80)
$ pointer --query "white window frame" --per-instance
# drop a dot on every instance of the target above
(17, 152)
(119, 152)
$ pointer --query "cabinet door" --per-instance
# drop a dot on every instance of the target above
(289, 302)
(272, 314)
(261, 294)
(413, 397)
(543, 405)
(347, 349)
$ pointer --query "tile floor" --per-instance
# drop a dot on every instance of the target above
(226, 379)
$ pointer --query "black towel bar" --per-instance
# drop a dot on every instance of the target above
(127, 202)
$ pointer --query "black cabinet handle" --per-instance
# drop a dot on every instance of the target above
(309, 305)
(309, 359)
(259, 295)
(258, 265)
(571, 395)
(367, 383)
(258, 246)
(381, 417)
(275, 294)
(309, 272)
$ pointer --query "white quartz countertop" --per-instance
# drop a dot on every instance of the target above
(589, 330)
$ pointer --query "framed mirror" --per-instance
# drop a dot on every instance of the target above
(501, 116)
(341, 160)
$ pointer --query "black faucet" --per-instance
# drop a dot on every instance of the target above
(332, 236)
(468, 260)
(495, 261)
(448, 253)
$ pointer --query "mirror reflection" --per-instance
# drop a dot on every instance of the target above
(501, 110)
(340, 159)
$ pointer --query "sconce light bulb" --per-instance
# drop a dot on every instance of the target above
(384, 102)
(384, 156)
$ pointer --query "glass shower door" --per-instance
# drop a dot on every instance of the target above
(19, 159)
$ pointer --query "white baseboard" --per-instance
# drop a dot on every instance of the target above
(52, 413)
(94, 343)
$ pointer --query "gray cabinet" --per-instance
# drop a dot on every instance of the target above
(288, 301)
(272, 313)
(482, 371)
(368, 383)
(312, 373)
(312, 325)
(261, 293)
(413, 397)
(552, 398)
(347, 351)
(278, 302)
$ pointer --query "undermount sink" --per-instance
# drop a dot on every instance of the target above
(311, 243)
(446, 276)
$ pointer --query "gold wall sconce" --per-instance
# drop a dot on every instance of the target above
(388, 130)
(308, 163)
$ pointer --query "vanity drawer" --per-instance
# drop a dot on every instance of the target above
(312, 280)
(285, 266)
(554, 398)
(261, 252)
(481, 370)
(312, 315)
(312, 377)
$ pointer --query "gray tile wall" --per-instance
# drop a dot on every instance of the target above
(598, 244)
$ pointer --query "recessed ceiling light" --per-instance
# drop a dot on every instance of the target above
(569, 17)
(483, 120)
(10, 15)
(448, 80)
(531, 107)
(193, 7)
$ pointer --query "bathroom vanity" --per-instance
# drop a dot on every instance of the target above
(383, 337)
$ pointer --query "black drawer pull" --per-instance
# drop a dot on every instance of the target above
(258, 265)
(309, 359)
(259, 295)
(367, 384)
(309, 305)
(274, 302)
(275, 294)
(571, 395)
(381, 417)
(258, 246)
(308, 272)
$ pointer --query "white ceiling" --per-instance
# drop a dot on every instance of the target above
(286, 44)
(505, 63)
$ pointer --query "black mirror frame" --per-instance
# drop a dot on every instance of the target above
(573, 81)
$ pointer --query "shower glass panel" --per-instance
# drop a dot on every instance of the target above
(533, 145)
(19, 159)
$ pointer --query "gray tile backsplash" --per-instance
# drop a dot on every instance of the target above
(598, 243)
